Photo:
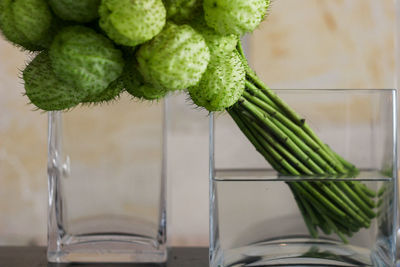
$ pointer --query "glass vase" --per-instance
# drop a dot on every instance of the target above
(107, 183)
(255, 215)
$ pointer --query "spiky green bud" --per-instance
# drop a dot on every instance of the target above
(85, 59)
(136, 85)
(23, 24)
(45, 90)
(218, 44)
(147, 92)
(112, 92)
(181, 11)
(76, 10)
(221, 85)
(175, 59)
(131, 23)
(234, 16)
(33, 18)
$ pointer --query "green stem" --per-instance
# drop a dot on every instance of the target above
(297, 130)
(270, 139)
(283, 138)
(255, 142)
(295, 133)
(291, 147)
(307, 219)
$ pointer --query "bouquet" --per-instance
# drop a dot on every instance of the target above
(91, 51)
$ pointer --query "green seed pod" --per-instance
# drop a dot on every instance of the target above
(131, 23)
(132, 78)
(175, 59)
(3, 5)
(221, 85)
(76, 10)
(45, 90)
(85, 59)
(9, 30)
(135, 84)
(147, 92)
(181, 11)
(217, 43)
(234, 16)
(32, 18)
(56, 25)
(112, 92)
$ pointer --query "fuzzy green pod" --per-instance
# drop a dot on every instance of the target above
(136, 86)
(132, 77)
(147, 92)
(221, 85)
(175, 59)
(131, 23)
(234, 16)
(112, 92)
(9, 30)
(76, 10)
(181, 11)
(45, 90)
(85, 59)
(33, 18)
(217, 43)
(3, 5)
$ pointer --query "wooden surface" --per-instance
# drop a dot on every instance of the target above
(36, 257)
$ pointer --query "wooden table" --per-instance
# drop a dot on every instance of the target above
(36, 257)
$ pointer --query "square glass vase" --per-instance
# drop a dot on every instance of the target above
(259, 217)
(107, 183)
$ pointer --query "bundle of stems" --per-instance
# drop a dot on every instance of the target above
(292, 148)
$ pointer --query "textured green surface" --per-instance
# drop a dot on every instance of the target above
(9, 30)
(132, 77)
(85, 59)
(76, 10)
(33, 18)
(221, 85)
(175, 59)
(132, 22)
(112, 92)
(217, 43)
(45, 90)
(3, 5)
(181, 11)
(148, 92)
(136, 86)
(234, 16)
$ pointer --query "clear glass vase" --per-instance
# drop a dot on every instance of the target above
(107, 184)
(255, 215)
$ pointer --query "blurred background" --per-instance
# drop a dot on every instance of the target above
(302, 44)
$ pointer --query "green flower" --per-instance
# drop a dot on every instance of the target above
(181, 11)
(45, 90)
(27, 23)
(112, 92)
(221, 85)
(234, 16)
(32, 18)
(76, 10)
(85, 59)
(136, 85)
(131, 23)
(218, 44)
(175, 59)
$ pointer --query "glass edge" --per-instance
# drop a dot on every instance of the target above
(395, 163)
(163, 217)
(337, 90)
(211, 132)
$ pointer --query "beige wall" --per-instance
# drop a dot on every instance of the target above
(326, 44)
(302, 44)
